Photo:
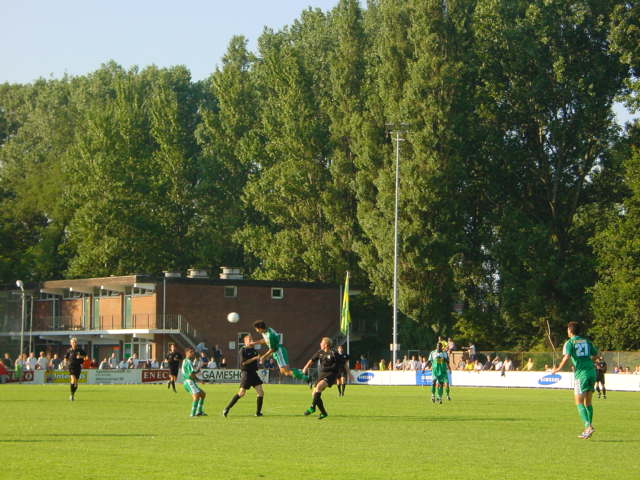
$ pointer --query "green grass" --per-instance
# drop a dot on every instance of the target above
(140, 432)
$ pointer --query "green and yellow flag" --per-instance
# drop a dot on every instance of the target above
(345, 316)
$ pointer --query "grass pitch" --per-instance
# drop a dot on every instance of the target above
(144, 432)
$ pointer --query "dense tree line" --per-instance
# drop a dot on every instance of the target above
(519, 193)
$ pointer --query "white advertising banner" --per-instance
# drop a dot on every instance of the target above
(225, 375)
(113, 377)
(490, 379)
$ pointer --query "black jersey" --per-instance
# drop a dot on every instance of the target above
(75, 356)
(173, 358)
(601, 366)
(247, 354)
(342, 359)
(328, 361)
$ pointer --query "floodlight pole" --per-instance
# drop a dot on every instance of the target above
(397, 129)
(20, 285)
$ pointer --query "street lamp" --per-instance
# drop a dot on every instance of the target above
(20, 285)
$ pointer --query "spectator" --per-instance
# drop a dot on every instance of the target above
(414, 363)
(55, 362)
(133, 361)
(165, 364)
(212, 363)
(617, 369)
(547, 368)
(217, 354)
(529, 366)
(382, 365)
(4, 373)
(399, 364)
(477, 367)
(390, 365)
(20, 366)
(357, 365)
(406, 363)
(462, 364)
(364, 361)
(637, 370)
(124, 364)
(64, 364)
(153, 363)
(223, 362)
(424, 364)
(113, 360)
(104, 364)
(202, 361)
(508, 364)
(469, 366)
(31, 361)
(488, 365)
(42, 362)
(6, 359)
(498, 364)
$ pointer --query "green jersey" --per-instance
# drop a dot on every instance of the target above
(580, 350)
(187, 369)
(272, 338)
(439, 362)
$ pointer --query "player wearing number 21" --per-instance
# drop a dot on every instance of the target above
(581, 351)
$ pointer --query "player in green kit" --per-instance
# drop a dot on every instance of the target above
(581, 351)
(189, 383)
(271, 339)
(440, 367)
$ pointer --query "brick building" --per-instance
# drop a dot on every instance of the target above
(142, 314)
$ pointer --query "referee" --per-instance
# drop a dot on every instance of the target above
(327, 377)
(601, 369)
(343, 370)
(173, 359)
(248, 377)
(75, 356)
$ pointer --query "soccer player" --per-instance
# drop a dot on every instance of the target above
(189, 383)
(601, 369)
(581, 351)
(271, 339)
(327, 376)
(75, 356)
(248, 377)
(439, 360)
(173, 359)
(343, 370)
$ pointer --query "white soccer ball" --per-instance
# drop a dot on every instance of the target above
(233, 317)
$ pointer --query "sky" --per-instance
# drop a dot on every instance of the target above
(50, 38)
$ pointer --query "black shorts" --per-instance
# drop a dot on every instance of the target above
(600, 377)
(343, 372)
(329, 377)
(75, 372)
(249, 379)
(173, 371)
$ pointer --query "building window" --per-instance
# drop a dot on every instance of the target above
(230, 292)
(277, 293)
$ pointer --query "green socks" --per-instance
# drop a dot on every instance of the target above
(200, 404)
(440, 391)
(297, 373)
(590, 412)
(584, 414)
(194, 408)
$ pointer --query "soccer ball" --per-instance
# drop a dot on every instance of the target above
(233, 317)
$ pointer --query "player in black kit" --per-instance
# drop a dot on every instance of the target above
(248, 377)
(75, 356)
(327, 376)
(601, 369)
(173, 359)
(343, 370)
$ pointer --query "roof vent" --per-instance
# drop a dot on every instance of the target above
(197, 273)
(168, 274)
(231, 273)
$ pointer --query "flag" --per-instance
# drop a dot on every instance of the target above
(345, 316)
